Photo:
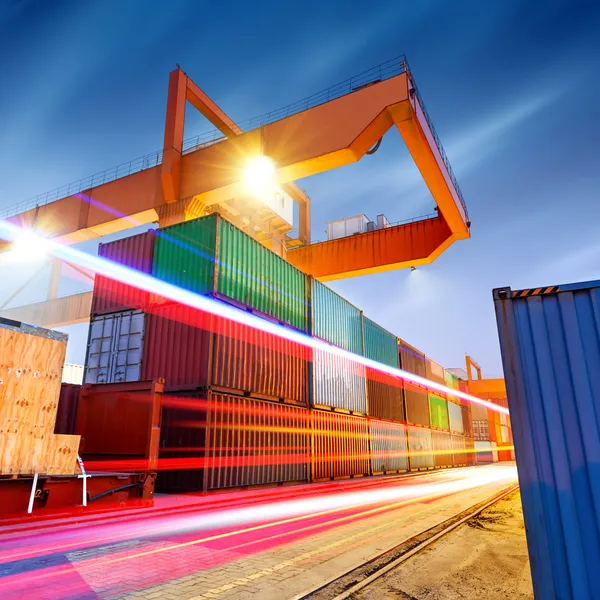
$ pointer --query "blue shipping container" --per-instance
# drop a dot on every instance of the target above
(550, 342)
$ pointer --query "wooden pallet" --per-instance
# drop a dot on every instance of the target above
(31, 363)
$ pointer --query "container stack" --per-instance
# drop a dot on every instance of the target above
(244, 407)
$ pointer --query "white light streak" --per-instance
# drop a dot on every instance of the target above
(151, 284)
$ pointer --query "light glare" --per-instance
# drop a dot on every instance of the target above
(259, 176)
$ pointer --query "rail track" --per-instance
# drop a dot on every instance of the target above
(359, 578)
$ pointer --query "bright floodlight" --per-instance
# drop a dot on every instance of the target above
(27, 246)
(259, 176)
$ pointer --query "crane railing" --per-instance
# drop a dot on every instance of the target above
(381, 72)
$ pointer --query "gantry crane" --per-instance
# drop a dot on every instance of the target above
(328, 130)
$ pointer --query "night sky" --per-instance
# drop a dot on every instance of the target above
(513, 89)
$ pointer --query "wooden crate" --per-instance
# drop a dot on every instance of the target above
(31, 363)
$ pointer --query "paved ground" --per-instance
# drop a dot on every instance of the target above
(277, 544)
(485, 558)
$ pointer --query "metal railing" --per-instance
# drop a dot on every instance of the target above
(293, 234)
(381, 72)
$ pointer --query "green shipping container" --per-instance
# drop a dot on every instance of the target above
(438, 408)
(209, 255)
(380, 344)
(335, 320)
(450, 380)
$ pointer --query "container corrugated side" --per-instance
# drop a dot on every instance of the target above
(420, 448)
(442, 448)
(340, 445)
(334, 319)
(182, 453)
(450, 380)
(338, 382)
(73, 373)
(135, 252)
(380, 344)
(250, 360)
(177, 345)
(434, 371)
(385, 396)
(185, 254)
(251, 442)
(389, 446)
(254, 276)
(415, 397)
(494, 451)
(455, 418)
(439, 412)
(67, 409)
(459, 456)
(467, 420)
(470, 450)
(416, 403)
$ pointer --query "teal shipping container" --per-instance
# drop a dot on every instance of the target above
(211, 256)
(380, 344)
(334, 319)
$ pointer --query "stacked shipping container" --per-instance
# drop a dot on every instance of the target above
(222, 428)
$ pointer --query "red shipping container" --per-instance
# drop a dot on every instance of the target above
(340, 445)
(135, 252)
(385, 396)
(67, 409)
(249, 360)
(177, 345)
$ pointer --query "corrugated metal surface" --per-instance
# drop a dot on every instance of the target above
(256, 277)
(183, 442)
(184, 254)
(483, 452)
(459, 456)
(415, 397)
(384, 396)
(411, 359)
(435, 371)
(67, 408)
(338, 382)
(210, 255)
(420, 447)
(251, 360)
(380, 344)
(334, 319)
(467, 421)
(455, 418)
(389, 446)
(442, 448)
(177, 345)
(417, 404)
(470, 450)
(340, 445)
(252, 442)
(480, 413)
(110, 295)
(115, 343)
(439, 412)
(73, 374)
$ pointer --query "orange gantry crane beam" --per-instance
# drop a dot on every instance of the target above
(327, 135)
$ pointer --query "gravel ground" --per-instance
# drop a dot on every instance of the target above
(484, 559)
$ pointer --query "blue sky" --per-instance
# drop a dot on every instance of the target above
(511, 86)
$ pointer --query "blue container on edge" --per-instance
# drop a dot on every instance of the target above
(550, 343)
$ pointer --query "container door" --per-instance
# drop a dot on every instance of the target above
(97, 362)
(115, 348)
(127, 354)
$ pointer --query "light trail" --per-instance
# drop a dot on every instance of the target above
(283, 520)
(145, 282)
